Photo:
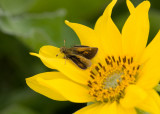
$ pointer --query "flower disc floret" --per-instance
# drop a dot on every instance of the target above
(108, 81)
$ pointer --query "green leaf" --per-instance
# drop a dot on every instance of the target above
(70, 36)
(89, 103)
(35, 30)
(14, 7)
(79, 9)
(139, 111)
(154, 17)
(157, 88)
(17, 109)
(31, 100)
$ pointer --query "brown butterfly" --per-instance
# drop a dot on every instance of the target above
(80, 55)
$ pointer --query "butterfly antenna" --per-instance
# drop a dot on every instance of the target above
(64, 43)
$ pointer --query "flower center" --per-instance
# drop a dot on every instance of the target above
(109, 80)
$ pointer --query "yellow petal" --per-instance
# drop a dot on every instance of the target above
(90, 109)
(149, 76)
(66, 67)
(49, 52)
(108, 33)
(122, 110)
(49, 92)
(152, 49)
(86, 35)
(149, 105)
(155, 96)
(130, 6)
(109, 108)
(68, 89)
(133, 96)
(136, 29)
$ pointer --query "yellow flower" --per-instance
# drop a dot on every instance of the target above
(123, 73)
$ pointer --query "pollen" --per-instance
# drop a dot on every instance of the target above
(108, 81)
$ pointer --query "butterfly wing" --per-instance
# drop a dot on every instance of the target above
(85, 51)
(80, 61)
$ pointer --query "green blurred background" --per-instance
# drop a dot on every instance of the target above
(26, 25)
